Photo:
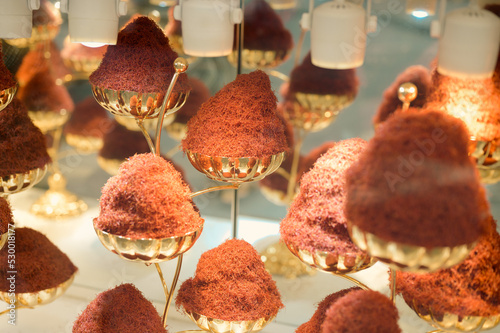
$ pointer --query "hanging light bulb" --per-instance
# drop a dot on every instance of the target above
(93, 23)
(208, 26)
(421, 8)
(16, 18)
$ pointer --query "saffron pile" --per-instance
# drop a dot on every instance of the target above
(89, 119)
(6, 217)
(6, 78)
(120, 143)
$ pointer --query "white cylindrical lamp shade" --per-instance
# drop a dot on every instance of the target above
(338, 35)
(469, 45)
(207, 27)
(16, 18)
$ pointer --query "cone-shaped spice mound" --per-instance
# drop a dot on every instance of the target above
(231, 284)
(362, 311)
(241, 120)
(471, 288)
(122, 309)
(142, 61)
(314, 324)
(147, 199)
(415, 184)
(39, 263)
(6, 77)
(22, 144)
(315, 219)
(6, 217)
(198, 95)
(89, 119)
(121, 143)
(264, 29)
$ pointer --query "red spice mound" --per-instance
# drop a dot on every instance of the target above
(142, 61)
(122, 309)
(81, 52)
(264, 29)
(415, 184)
(6, 78)
(471, 288)
(314, 324)
(315, 219)
(198, 95)
(147, 199)
(40, 264)
(475, 101)
(6, 217)
(362, 311)
(232, 284)
(121, 143)
(311, 157)
(22, 144)
(309, 79)
(42, 93)
(173, 27)
(89, 119)
(239, 121)
(494, 8)
(34, 61)
(47, 14)
(419, 76)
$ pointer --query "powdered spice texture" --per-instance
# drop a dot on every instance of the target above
(123, 309)
(147, 199)
(231, 284)
(22, 144)
(142, 61)
(6, 217)
(40, 264)
(471, 288)
(241, 120)
(315, 220)
(415, 183)
(362, 311)
(6, 77)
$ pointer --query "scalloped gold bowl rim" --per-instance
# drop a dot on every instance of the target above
(252, 58)
(7, 95)
(488, 173)
(339, 263)
(224, 326)
(40, 297)
(409, 258)
(118, 102)
(84, 144)
(22, 181)
(148, 250)
(234, 169)
(452, 322)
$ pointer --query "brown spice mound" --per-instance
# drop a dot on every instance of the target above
(122, 309)
(232, 284)
(308, 162)
(42, 93)
(475, 101)
(89, 119)
(362, 311)
(315, 219)
(199, 94)
(34, 61)
(314, 324)
(419, 76)
(264, 29)
(309, 79)
(121, 143)
(40, 264)
(147, 199)
(6, 78)
(239, 121)
(142, 61)
(6, 217)
(471, 288)
(22, 144)
(415, 183)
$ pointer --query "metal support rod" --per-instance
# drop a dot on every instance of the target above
(215, 188)
(169, 294)
(353, 280)
(234, 213)
(140, 123)
(393, 286)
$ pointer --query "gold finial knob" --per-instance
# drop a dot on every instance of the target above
(407, 92)
(180, 65)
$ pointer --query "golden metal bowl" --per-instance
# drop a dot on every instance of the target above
(135, 104)
(3, 239)
(314, 112)
(331, 262)
(487, 157)
(39, 34)
(149, 124)
(409, 258)
(83, 66)
(84, 144)
(223, 326)
(277, 197)
(176, 131)
(47, 120)
(234, 169)
(453, 323)
(252, 59)
(21, 181)
(6, 96)
(31, 300)
(282, 4)
(148, 250)
(110, 165)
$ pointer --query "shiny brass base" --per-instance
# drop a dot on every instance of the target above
(58, 204)
(6, 96)
(223, 326)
